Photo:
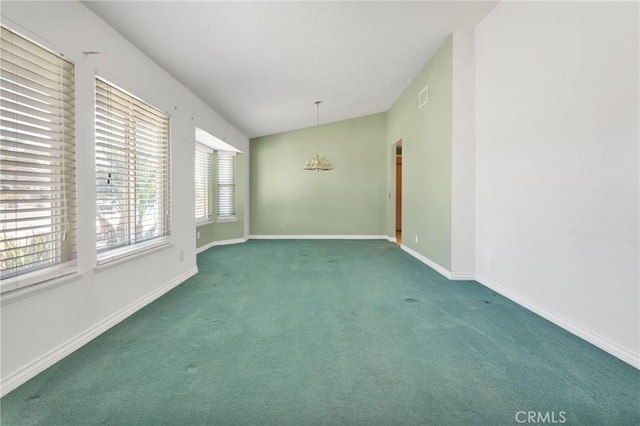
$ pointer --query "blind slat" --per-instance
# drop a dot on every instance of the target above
(11, 100)
(110, 95)
(12, 61)
(31, 82)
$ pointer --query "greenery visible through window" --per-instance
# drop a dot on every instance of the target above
(132, 173)
(203, 175)
(37, 163)
(226, 186)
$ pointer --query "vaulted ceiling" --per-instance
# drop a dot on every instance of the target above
(261, 65)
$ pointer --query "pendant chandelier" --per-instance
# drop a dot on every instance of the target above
(317, 163)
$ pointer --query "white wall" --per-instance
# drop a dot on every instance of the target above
(463, 156)
(40, 328)
(558, 166)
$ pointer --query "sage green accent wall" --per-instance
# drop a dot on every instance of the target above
(213, 232)
(426, 160)
(348, 200)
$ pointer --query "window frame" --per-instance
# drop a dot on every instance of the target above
(136, 153)
(232, 216)
(39, 150)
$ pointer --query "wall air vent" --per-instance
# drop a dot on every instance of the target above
(423, 97)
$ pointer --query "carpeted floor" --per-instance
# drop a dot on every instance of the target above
(329, 332)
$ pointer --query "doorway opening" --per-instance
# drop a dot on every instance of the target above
(397, 151)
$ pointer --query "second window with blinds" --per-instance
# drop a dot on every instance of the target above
(132, 174)
(224, 163)
(226, 186)
(204, 166)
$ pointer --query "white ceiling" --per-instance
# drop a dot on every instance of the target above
(261, 65)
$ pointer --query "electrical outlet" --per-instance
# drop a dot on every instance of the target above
(416, 239)
(198, 235)
(181, 256)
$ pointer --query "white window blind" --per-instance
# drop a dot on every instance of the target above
(132, 174)
(226, 185)
(37, 163)
(204, 165)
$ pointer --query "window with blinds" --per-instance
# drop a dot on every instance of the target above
(204, 165)
(132, 174)
(37, 163)
(226, 186)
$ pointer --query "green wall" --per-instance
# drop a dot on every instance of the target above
(426, 157)
(348, 200)
(213, 232)
(358, 196)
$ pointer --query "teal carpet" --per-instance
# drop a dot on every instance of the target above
(331, 333)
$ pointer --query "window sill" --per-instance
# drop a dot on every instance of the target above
(13, 295)
(124, 255)
(204, 223)
(226, 219)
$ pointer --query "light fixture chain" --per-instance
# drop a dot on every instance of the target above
(318, 127)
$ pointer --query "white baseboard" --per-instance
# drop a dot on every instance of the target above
(462, 276)
(220, 243)
(26, 373)
(453, 276)
(392, 239)
(573, 328)
(318, 237)
(430, 263)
